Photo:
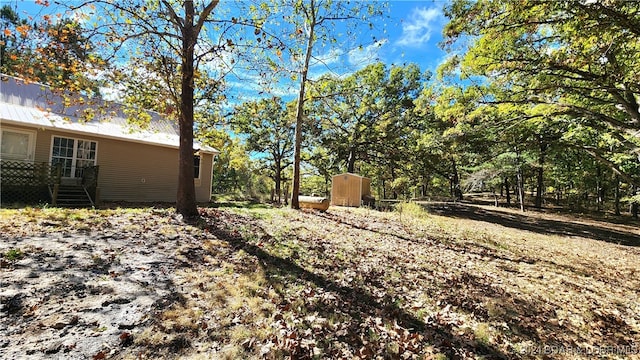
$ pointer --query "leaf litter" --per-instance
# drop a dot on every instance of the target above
(277, 283)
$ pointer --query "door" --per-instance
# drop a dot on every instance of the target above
(73, 155)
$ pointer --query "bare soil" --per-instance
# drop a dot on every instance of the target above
(459, 281)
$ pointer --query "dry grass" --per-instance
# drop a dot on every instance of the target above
(464, 282)
(472, 288)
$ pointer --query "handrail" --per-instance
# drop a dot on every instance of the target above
(90, 181)
(93, 204)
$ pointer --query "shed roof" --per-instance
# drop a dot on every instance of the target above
(350, 174)
(25, 103)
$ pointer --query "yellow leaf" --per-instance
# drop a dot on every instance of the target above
(7, 32)
(23, 29)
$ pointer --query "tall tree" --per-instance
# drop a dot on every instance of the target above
(269, 129)
(575, 60)
(366, 116)
(12, 36)
(177, 38)
(312, 24)
(48, 49)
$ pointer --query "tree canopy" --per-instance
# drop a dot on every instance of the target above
(538, 98)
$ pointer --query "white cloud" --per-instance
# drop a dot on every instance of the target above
(246, 86)
(364, 56)
(326, 63)
(418, 28)
(327, 59)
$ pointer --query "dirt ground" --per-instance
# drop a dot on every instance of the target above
(459, 281)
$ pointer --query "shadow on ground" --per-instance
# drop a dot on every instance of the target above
(358, 303)
(533, 224)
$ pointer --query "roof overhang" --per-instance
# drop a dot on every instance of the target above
(33, 117)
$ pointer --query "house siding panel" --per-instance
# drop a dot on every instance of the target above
(132, 171)
(137, 172)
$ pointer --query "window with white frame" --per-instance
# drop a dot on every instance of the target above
(17, 145)
(73, 154)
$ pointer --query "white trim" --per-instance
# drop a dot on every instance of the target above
(31, 152)
(199, 166)
(102, 136)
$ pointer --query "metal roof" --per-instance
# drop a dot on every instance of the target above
(37, 105)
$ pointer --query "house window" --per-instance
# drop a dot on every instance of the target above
(196, 166)
(73, 154)
(16, 145)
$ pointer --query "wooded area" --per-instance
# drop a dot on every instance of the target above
(536, 105)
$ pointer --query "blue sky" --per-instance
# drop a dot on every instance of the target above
(411, 34)
(414, 34)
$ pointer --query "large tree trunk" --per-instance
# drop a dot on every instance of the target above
(186, 197)
(300, 109)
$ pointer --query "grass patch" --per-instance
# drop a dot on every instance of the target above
(411, 209)
(13, 254)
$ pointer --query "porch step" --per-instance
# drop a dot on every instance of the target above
(73, 196)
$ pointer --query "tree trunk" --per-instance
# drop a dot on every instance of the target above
(617, 196)
(326, 186)
(540, 175)
(351, 162)
(392, 169)
(457, 191)
(634, 205)
(599, 188)
(300, 108)
(286, 192)
(520, 183)
(186, 197)
(507, 191)
(278, 181)
(384, 189)
(520, 189)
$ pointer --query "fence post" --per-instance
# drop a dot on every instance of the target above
(56, 184)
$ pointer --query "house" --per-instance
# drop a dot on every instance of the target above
(350, 190)
(54, 144)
